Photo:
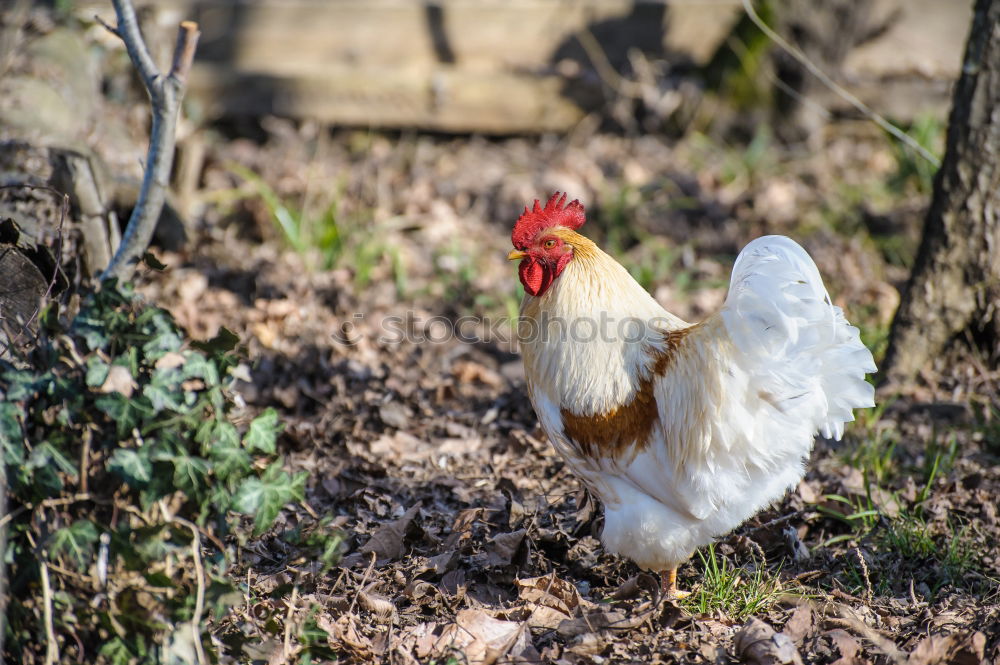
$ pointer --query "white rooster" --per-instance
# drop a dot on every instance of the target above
(683, 431)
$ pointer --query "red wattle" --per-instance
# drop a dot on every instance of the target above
(535, 276)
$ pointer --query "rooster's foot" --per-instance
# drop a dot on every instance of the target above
(668, 586)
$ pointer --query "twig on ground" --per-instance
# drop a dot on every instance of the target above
(165, 94)
(47, 503)
(199, 601)
(51, 648)
(779, 520)
(863, 108)
(864, 572)
(361, 586)
(850, 619)
(287, 642)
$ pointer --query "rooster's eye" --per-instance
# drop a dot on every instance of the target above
(549, 244)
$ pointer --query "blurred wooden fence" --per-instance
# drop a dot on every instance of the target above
(503, 66)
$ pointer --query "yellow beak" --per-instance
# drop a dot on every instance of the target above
(515, 254)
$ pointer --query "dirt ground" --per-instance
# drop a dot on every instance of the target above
(440, 527)
(366, 276)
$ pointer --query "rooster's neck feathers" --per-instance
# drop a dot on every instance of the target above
(595, 340)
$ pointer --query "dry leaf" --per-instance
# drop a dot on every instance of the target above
(756, 643)
(847, 645)
(794, 544)
(394, 414)
(481, 638)
(467, 371)
(553, 592)
(502, 548)
(634, 585)
(345, 632)
(119, 380)
(387, 541)
(419, 640)
(442, 563)
(954, 649)
(170, 360)
(380, 606)
(546, 617)
(800, 625)
(595, 622)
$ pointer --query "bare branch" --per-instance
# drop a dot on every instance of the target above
(187, 42)
(165, 93)
(837, 89)
(107, 26)
(128, 30)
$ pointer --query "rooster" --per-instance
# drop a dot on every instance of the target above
(684, 431)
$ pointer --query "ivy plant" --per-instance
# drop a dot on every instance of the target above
(128, 469)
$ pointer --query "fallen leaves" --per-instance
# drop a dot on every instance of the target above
(548, 602)
(965, 648)
(757, 644)
(387, 542)
(483, 639)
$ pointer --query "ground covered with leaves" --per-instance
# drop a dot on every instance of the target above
(321, 449)
(438, 525)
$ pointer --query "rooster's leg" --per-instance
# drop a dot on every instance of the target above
(668, 585)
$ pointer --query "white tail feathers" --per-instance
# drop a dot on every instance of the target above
(799, 350)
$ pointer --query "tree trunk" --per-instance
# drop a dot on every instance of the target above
(954, 291)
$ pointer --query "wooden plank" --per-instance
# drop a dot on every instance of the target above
(488, 65)
(450, 99)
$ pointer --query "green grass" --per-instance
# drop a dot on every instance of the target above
(874, 331)
(859, 514)
(904, 544)
(874, 452)
(736, 592)
(737, 164)
(987, 418)
(323, 235)
(913, 170)
(301, 230)
(933, 555)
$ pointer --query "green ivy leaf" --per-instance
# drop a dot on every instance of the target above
(153, 263)
(223, 342)
(197, 366)
(19, 385)
(128, 413)
(11, 434)
(76, 542)
(159, 579)
(265, 496)
(263, 432)
(220, 595)
(163, 334)
(125, 651)
(47, 455)
(133, 466)
(228, 456)
(164, 391)
(190, 473)
(148, 544)
(97, 372)
(93, 328)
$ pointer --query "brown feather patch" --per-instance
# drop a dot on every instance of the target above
(626, 428)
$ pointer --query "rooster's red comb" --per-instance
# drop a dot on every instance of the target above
(555, 213)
